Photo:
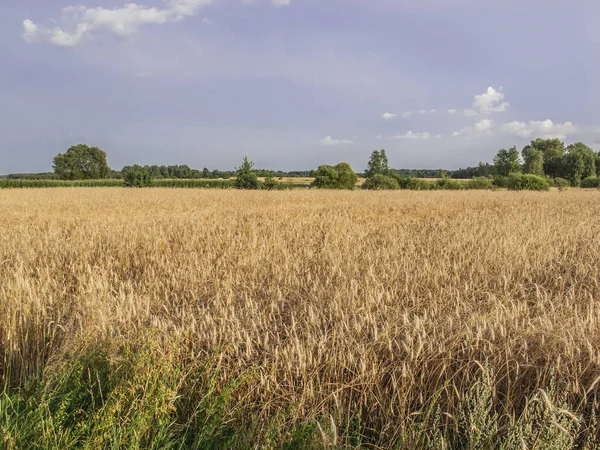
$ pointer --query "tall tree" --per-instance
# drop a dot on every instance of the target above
(507, 161)
(553, 151)
(246, 176)
(378, 164)
(81, 162)
(578, 163)
(533, 160)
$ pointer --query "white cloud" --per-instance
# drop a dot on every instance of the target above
(388, 116)
(482, 128)
(29, 30)
(410, 135)
(451, 111)
(121, 21)
(329, 141)
(489, 102)
(542, 129)
(420, 112)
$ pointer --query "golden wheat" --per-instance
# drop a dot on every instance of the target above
(327, 301)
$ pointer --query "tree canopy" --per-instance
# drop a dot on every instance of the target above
(81, 162)
(378, 164)
(507, 161)
(339, 177)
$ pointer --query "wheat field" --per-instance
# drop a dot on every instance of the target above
(299, 319)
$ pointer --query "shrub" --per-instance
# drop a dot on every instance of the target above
(414, 184)
(590, 183)
(521, 182)
(500, 181)
(246, 176)
(339, 177)
(381, 182)
(137, 176)
(481, 183)
(270, 183)
(448, 184)
(560, 183)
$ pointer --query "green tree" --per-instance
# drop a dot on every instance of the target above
(378, 164)
(339, 177)
(533, 160)
(578, 163)
(246, 176)
(347, 178)
(553, 151)
(507, 161)
(326, 177)
(598, 164)
(81, 162)
(137, 176)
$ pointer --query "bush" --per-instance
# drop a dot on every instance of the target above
(528, 182)
(137, 176)
(246, 176)
(270, 183)
(339, 177)
(590, 183)
(414, 184)
(448, 184)
(380, 183)
(500, 181)
(560, 183)
(481, 183)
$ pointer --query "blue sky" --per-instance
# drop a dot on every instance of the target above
(294, 83)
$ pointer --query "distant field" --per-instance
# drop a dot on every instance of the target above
(160, 318)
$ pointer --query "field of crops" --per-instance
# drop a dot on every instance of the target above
(166, 318)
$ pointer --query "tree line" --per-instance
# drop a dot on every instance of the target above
(541, 163)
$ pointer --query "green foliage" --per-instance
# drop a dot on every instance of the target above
(553, 151)
(246, 176)
(561, 183)
(381, 182)
(500, 181)
(590, 183)
(378, 164)
(522, 182)
(137, 176)
(270, 183)
(482, 183)
(449, 184)
(414, 184)
(533, 161)
(23, 184)
(339, 177)
(507, 161)
(81, 162)
(578, 163)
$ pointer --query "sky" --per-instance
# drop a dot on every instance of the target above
(294, 83)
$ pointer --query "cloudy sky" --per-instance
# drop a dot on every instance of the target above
(294, 83)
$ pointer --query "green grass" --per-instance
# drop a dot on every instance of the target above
(122, 395)
(159, 183)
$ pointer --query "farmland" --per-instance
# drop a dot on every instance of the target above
(171, 318)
